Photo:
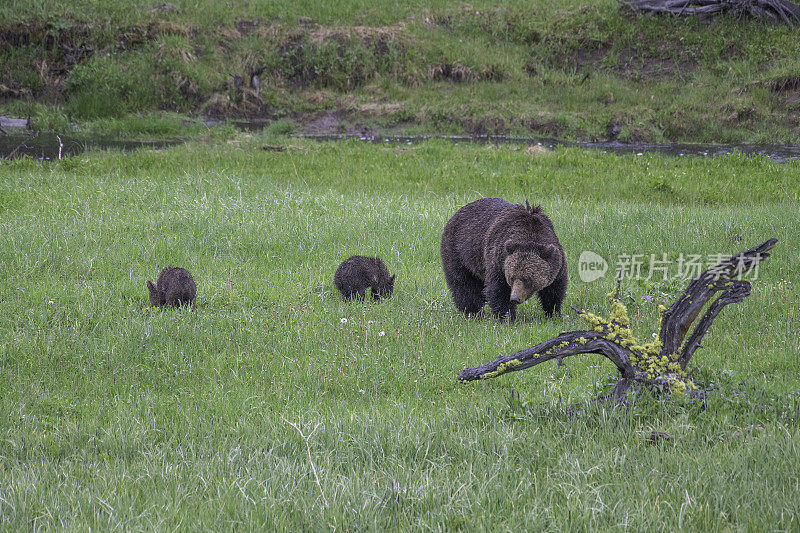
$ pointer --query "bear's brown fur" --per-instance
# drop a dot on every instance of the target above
(174, 287)
(357, 273)
(501, 253)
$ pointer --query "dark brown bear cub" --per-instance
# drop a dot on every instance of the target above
(358, 272)
(501, 253)
(174, 287)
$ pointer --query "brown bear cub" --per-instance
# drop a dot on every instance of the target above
(501, 253)
(358, 272)
(174, 287)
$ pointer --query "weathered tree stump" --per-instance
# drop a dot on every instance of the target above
(661, 362)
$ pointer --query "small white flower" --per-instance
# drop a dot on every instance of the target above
(343, 321)
(51, 302)
(381, 334)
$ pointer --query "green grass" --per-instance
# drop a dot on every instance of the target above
(571, 69)
(117, 415)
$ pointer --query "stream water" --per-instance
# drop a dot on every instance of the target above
(48, 146)
(773, 151)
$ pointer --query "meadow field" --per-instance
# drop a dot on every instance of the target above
(276, 406)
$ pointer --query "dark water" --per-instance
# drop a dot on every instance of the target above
(773, 151)
(46, 146)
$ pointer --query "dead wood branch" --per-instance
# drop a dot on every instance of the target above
(662, 361)
(778, 11)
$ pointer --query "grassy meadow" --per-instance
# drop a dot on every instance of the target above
(276, 406)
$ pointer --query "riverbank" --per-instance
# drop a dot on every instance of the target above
(569, 70)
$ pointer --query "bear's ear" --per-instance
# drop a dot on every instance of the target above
(553, 252)
(511, 246)
(547, 250)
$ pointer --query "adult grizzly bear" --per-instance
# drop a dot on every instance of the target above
(501, 253)
(357, 273)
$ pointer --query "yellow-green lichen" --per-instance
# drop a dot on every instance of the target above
(644, 357)
(502, 368)
(619, 313)
(678, 384)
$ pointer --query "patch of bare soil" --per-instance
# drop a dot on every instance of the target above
(786, 84)
(452, 72)
(579, 59)
(325, 122)
(246, 26)
(457, 73)
(588, 58)
(380, 109)
(628, 63)
(485, 125)
(543, 126)
(634, 66)
(788, 90)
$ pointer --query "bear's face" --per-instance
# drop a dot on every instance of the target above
(382, 288)
(156, 297)
(530, 269)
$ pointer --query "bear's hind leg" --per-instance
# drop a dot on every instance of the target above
(467, 292)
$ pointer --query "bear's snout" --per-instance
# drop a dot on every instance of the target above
(520, 292)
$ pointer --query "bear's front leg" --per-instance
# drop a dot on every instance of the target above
(552, 296)
(498, 295)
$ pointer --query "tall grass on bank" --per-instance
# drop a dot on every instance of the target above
(118, 415)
